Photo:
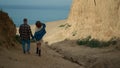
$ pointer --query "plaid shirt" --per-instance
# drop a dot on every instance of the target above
(25, 31)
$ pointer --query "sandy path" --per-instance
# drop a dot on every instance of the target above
(14, 58)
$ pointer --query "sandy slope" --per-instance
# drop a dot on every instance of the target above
(14, 58)
(54, 31)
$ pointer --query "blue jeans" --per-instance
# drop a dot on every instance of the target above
(24, 42)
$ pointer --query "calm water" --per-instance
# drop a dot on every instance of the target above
(44, 15)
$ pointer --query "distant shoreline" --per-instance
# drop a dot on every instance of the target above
(44, 22)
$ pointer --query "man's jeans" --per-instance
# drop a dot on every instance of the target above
(26, 48)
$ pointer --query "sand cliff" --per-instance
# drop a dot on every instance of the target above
(99, 19)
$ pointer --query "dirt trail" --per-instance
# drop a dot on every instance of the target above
(14, 58)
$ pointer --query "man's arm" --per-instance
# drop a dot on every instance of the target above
(30, 32)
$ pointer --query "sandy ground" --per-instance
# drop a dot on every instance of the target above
(14, 58)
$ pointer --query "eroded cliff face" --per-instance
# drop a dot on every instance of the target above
(7, 30)
(99, 19)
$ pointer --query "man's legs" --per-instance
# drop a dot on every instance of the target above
(28, 45)
(23, 46)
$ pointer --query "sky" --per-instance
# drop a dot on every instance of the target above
(36, 2)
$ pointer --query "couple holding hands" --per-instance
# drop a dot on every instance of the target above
(25, 34)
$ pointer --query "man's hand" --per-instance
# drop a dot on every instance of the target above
(32, 38)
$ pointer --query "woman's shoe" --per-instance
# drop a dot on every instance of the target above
(37, 50)
(39, 53)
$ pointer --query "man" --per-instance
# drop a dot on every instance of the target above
(25, 33)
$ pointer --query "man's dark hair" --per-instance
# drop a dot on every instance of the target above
(25, 19)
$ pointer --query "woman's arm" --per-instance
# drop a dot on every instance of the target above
(38, 35)
(44, 26)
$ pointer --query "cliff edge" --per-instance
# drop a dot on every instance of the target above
(7, 30)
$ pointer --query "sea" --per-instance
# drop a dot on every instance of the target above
(33, 14)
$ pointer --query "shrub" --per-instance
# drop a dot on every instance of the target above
(83, 41)
(17, 38)
(74, 33)
(65, 25)
(95, 43)
(62, 25)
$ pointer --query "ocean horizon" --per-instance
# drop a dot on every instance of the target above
(33, 14)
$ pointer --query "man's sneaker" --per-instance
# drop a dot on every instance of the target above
(24, 52)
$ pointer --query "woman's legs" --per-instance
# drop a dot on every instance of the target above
(38, 50)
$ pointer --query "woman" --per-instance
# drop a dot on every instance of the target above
(38, 35)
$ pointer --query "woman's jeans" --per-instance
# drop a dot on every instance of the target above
(26, 48)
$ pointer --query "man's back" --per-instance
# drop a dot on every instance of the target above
(25, 31)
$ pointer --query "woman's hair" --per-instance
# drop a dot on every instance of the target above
(38, 24)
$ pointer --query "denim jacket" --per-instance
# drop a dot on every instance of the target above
(39, 34)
